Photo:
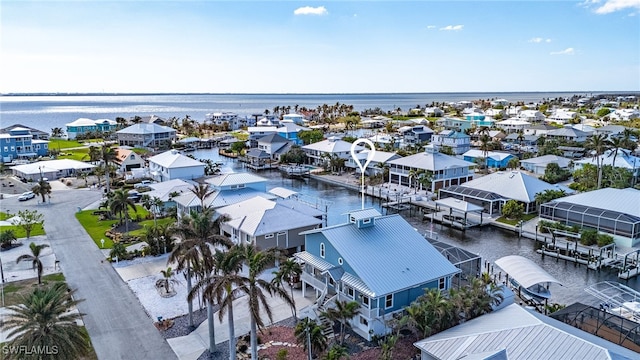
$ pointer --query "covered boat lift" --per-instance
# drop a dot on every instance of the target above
(460, 206)
(530, 279)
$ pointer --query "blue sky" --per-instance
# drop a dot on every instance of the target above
(319, 47)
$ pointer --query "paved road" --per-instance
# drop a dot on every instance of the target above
(117, 323)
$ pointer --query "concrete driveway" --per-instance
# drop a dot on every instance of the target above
(117, 323)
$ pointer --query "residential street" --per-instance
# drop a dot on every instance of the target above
(117, 323)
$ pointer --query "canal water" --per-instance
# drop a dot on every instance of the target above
(489, 242)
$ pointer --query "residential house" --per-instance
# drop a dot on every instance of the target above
(171, 165)
(624, 114)
(35, 133)
(384, 140)
(611, 211)
(494, 190)
(493, 159)
(319, 152)
(538, 165)
(479, 119)
(377, 164)
(84, 125)
(623, 160)
(18, 143)
(513, 125)
(294, 118)
(127, 159)
(152, 119)
(455, 124)
(290, 130)
(539, 129)
(267, 224)
(415, 135)
(518, 333)
(227, 120)
(149, 135)
(359, 261)
(493, 113)
(257, 132)
(568, 133)
(274, 145)
(433, 112)
(499, 102)
(168, 190)
(227, 189)
(531, 116)
(443, 170)
(458, 142)
(562, 116)
(51, 169)
(610, 130)
(525, 140)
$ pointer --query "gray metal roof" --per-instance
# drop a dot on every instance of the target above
(618, 200)
(525, 271)
(389, 256)
(364, 214)
(431, 161)
(525, 335)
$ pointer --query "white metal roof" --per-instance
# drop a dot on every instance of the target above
(432, 161)
(282, 192)
(459, 205)
(524, 334)
(173, 159)
(145, 128)
(332, 146)
(82, 122)
(514, 185)
(623, 160)
(525, 271)
(547, 159)
(52, 165)
(620, 200)
(234, 179)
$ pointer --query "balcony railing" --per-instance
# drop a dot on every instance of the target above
(313, 281)
(364, 310)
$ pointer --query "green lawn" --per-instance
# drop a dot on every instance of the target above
(97, 229)
(15, 290)
(75, 154)
(20, 233)
(4, 216)
(525, 218)
(56, 144)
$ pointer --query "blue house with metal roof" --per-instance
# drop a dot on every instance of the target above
(381, 262)
(19, 143)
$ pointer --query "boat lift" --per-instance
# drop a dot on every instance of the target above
(617, 298)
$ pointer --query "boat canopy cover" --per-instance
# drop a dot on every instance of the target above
(525, 271)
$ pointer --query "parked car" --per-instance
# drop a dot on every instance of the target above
(143, 183)
(134, 195)
(26, 196)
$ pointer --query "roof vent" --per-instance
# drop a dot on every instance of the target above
(174, 152)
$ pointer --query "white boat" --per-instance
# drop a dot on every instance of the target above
(536, 291)
(629, 310)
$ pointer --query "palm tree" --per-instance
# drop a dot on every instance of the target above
(617, 146)
(107, 155)
(167, 279)
(120, 203)
(94, 154)
(336, 352)
(222, 286)
(309, 334)
(153, 204)
(43, 321)
(288, 270)
(57, 132)
(598, 144)
(485, 146)
(202, 191)
(255, 288)
(34, 257)
(343, 312)
(42, 188)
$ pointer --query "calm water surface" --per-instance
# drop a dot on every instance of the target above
(489, 242)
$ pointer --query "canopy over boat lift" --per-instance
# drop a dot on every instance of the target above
(530, 277)
(461, 206)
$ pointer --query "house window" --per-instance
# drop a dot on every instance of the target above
(388, 301)
(364, 321)
(365, 300)
(268, 236)
(247, 238)
(350, 291)
(352, 219)
(322, 250)
(340, 261)
(366, 221)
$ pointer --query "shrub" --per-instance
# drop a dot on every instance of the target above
(282, 354)
(604, 240)
(513, 210)
(589, 237)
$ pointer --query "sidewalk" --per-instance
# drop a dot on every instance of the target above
(191, 346)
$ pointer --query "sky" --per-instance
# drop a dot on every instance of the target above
(319, 46)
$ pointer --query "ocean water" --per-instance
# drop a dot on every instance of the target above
(45, 112)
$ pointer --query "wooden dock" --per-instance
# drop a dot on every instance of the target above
(294, 171)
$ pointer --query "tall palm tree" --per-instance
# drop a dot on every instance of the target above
(94, 154)
(34, 257)
(343, 312)
(599, 144)
(288, 270)
(485, 146)
(43, 321)
(42, 188)
(617, 146)
(221, 285)
(107, 155)
(121, 203)
(202, 191)
(309, 334)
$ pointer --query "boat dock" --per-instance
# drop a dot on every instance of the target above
(294, 171)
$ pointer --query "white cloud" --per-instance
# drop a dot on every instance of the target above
(431, 26)
(538, 40)
(610, 6)
(452, 28)
(308, 10)
(567, 51)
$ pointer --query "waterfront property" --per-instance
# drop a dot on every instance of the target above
(493, 159)
(267, 224)
(319, 153)
(273, 145)
(415, 135)
(35, 133)
(494, 190)
(173, 165)
(444, 170)
(290, 130)
(148, 135)
(19, 143)
(227, 120)
(454, 124)
(612, 211)
(84, 125)
(51, 169)
(377, 164)
(516, 333)
(458, 142)
(538, 165)
(358, 261)
(257, 132)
